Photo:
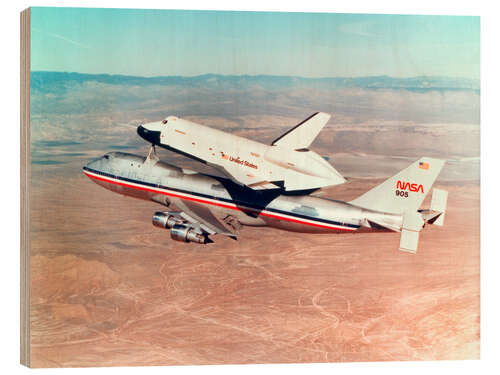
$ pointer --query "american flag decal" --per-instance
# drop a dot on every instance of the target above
(423, 165)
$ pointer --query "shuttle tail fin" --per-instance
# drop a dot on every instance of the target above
(303, 134)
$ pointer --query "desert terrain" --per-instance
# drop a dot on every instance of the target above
(109, 289)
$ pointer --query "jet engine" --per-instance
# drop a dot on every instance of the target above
(179, 230)
(184, 233)
(165, 220)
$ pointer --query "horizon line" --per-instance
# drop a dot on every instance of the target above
(253, 75)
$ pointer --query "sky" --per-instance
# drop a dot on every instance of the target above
(190, 43)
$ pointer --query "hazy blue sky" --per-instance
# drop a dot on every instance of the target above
(161, 42)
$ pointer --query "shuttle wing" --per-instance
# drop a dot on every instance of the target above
(288, 179)
(302, 135)
(252, 179)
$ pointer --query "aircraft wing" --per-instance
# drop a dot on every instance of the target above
(252, 179)
(198, 214)
(288, 176)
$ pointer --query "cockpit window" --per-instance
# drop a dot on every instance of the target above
(106, 156)
(164, 121)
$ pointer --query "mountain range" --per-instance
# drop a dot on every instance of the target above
(46, 81)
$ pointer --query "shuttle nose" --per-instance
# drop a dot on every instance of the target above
(152, 136)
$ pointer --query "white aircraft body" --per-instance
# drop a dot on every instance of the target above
(286, 164)
(198, 206)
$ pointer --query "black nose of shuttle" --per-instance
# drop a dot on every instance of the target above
(152, 136)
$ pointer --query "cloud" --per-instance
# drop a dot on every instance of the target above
(57, 36)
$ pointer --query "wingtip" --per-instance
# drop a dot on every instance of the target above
(324, 114)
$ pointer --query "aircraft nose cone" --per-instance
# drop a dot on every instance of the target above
(152, 136)
(90, 166)
(99, 163)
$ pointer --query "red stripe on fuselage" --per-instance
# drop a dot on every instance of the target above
(260, 213)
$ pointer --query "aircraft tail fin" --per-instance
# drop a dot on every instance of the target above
(405, 191)
(303, 134)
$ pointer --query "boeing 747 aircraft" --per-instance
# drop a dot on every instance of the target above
(198, 206)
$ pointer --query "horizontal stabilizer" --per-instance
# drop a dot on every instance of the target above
(302, 135)
(430, 216)
(409, 241)
(412, 225)
(438, 203)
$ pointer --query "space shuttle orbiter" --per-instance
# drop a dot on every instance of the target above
(287, 163)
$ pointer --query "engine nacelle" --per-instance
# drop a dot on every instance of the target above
(184, 233)
(165, 220)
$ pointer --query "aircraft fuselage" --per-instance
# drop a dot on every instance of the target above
(138, 177)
